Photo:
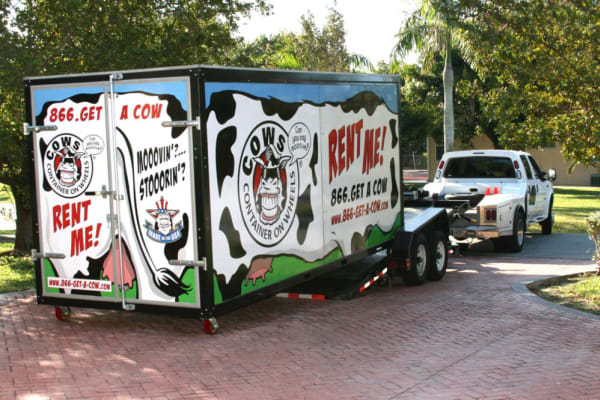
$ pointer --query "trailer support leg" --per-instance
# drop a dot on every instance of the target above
(211, 326)
(63, 313)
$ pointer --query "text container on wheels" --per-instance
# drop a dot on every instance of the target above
(203, 189)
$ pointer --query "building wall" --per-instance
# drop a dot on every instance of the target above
(546, 158)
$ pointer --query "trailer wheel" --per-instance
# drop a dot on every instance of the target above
(438, 256)
(419, 256)
(515, 242)
(211, 326)
(63, 313)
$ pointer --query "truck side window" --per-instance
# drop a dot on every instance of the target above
(536, 168)
(527, 167)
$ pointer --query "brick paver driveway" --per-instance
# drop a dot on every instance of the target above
(472, 335)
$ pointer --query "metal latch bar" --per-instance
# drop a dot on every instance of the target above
(182, 124)
(27, 129)
(36, 255)
(190, 263)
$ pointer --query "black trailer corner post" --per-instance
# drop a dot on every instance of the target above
(198, 190)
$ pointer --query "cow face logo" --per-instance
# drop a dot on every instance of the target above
(268, 183)
(67, 167)
(163, 229)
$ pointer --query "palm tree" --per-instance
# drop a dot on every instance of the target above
(428, 30)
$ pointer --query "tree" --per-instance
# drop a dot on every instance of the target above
(544, 57)
(428, 29)
(312, 49)
(43, 37)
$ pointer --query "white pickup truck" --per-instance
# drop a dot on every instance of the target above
(507, 191)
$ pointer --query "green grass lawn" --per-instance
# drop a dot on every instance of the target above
(571, 206)
(581, 292)
(16, 274)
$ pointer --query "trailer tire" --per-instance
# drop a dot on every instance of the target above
(515, 242)
(419, 255)
(547, 223)
(438, 256)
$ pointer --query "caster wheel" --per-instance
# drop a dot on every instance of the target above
(211, 326)
(63, 313)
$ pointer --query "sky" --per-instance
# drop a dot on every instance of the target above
(370, 25)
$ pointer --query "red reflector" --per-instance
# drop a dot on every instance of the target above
(393, 265)
(441, 165)
(516, 163)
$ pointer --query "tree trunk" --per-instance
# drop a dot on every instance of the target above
(24, 235)
(448, 100)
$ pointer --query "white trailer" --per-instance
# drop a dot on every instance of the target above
(202, 189)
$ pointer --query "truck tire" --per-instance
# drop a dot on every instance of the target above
(419, 256)
(438, 256)
(515, 242)
(547, 223)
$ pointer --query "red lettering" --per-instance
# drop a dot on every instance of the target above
(65, 215)
(376, 149)
(76, 213)
(76, 242)
(350, 143)
(56, 217)
(124, 112)
(341, 148)
(359, 126)
(85, 205)
(368, 152)
(156, 110)
(88, 236)
(68, 214)
(332, 160)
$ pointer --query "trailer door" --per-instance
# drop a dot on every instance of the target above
(114, 190)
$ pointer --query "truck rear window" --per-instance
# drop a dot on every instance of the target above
(480, 167)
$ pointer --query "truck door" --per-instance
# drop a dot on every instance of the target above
(114, 191)
(533, 210)
(542, 186)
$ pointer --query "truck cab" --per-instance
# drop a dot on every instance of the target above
(506, 192)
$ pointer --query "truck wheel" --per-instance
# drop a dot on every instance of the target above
(515, 242)
(547, 223)
(438, 256)
(419, 255)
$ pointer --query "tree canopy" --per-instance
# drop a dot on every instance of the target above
(543, 57)
(45, 37)
(313, 48)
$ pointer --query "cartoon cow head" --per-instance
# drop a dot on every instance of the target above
(68, 166)
(270, 194)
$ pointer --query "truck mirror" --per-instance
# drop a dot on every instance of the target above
(552, 174)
